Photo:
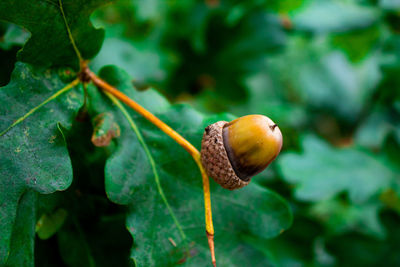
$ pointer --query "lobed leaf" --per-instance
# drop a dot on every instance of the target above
(329, 82)
(340, 217)
(23, 232)
(162, 186)
(333, 16)
(33, 152)
(49, 44)
(322, 172)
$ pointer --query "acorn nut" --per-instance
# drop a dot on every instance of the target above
(233, 152)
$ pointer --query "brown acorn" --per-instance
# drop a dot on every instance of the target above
(233, 152)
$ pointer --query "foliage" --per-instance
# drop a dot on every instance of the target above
(96, 184)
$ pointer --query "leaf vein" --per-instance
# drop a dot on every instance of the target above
(151, 161)
(33, 110)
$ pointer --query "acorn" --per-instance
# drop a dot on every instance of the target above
(233, 152)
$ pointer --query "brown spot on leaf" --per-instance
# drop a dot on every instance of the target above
(286, 22)
(183, 260)
(52, 138)
(105, 129)
(105, 139)
(212, 3)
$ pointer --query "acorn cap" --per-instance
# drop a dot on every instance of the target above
(215, 159)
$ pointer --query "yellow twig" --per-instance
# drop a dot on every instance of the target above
(174, 135)
(86, 75)
(140, 138)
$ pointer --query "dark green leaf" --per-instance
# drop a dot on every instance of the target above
(322, 172)
(374, 130)
(333, 16)
(144, 61)
(164, 190)
(329, 81)
(48, 224)
(390, 4)
(23, 232)
(340, 217)
(49, 36)
(34, 155)
(13, 36)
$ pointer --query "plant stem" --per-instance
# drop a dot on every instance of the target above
(86, 74)
(77, 52)
(177, 138)
(140, 138)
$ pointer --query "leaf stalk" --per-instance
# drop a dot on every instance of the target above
(86, 75)
(103, 85)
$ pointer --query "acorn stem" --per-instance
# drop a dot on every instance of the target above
(176, 137)
(210, 238)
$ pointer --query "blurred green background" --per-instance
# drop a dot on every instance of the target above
(327, 72)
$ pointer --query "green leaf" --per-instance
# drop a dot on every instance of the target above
(230, 54)
(322, 172)
(265, 97)
(74, 248)
(333, 16)
(390, 4)
(149, 9)
(358, 44)
(94, 232)
(49, 36)
(32, 145)
(48, 224)
(340, 217)
(330, 81)
(13, 36)
(162, 185)
(378, 125)
(144, 61)
(23, 232)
